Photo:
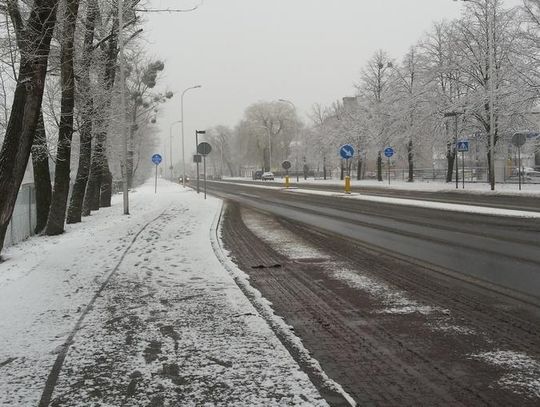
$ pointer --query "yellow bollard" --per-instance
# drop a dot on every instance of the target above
(287, 182)
(347, 185)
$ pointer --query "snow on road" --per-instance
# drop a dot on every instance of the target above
(170, 327)
(481, 188)
(522, 372)
(419, 203)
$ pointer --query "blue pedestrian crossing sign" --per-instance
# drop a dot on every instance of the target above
(156, 159)
(463, 146)
(346, 151)
(388, 152)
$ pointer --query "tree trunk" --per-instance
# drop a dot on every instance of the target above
(99, 165)
(359, 169)
(450, 157)
(79, 188)
(410, 157)
(42, 175)
(231, 168)
(93, 187)
(106, 186)
(27, 98)
(57, 213)
(379, 167)
(85, 150)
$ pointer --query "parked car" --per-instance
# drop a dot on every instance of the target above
(257, 175)
(268, 176)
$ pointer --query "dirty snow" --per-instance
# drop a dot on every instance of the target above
(522, 373)
(170, 327)
(295, 248)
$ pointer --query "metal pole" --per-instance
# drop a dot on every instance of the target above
(463, 168)
(269, 152)
(183, 144)
(388, 170)
(221, 169)
(123, 106)
(155, 182)
(491, 46)
(456, 157)
(197, 152)
(204, 170)
(519, 163)
(170, 151)
(296, 165)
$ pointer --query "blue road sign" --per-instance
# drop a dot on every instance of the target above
(463, 146)
(156, 159)
(346, 151)
(388, 152)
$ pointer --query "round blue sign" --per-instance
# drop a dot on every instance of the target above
(389, 152)
(346, 151)
(156, 159)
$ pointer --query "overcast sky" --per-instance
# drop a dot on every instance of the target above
(244, 51)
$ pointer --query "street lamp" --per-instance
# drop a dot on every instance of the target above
(170, 146)
(491, 50)
(182, 121)
(296, 135)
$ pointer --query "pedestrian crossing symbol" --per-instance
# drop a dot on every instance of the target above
(463, 146)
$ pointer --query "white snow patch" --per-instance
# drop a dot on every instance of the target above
(283, 241)
(523, 372)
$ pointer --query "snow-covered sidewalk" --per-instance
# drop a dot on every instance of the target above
(136, 311)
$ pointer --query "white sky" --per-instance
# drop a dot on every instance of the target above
(244, 51)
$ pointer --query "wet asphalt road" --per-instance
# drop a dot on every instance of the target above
(501, 252)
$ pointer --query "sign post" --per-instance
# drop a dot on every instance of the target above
(462, 147)
(346, 152)
(204, 149)
(286, 166)
(388, 152)
(197, 132)
(156, 159)
(518, 140)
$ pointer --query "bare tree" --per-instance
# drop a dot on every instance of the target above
(35, 38)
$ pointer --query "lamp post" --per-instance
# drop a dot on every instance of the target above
(296, 135)
(182, 121)
(491, 66)
(170, 147)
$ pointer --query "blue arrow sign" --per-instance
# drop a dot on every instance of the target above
(346, 151)
(463, 146)
(156, 159)
(389, 152)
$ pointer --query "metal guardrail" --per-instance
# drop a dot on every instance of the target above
(23, 221)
